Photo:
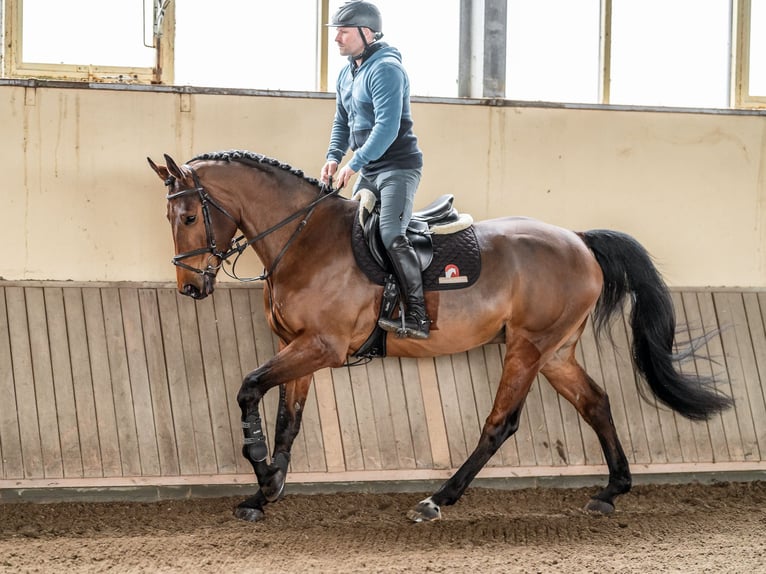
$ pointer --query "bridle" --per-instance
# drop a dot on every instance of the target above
(238, 244)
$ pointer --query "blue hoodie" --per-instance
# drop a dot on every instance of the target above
(372, 115)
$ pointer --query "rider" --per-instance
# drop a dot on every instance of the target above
(373, 118)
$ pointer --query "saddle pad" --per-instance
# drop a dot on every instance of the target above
(456, 262)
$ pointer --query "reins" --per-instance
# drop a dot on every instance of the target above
(237, 246)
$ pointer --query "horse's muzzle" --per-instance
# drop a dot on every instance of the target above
(197, 291)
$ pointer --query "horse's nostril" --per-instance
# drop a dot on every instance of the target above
(191, 290)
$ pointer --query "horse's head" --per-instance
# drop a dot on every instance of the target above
(202, 228)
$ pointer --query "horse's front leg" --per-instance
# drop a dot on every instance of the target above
(292, 399)
(295, 362)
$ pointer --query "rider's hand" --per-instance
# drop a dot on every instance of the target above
(344, 175)
(328, 171)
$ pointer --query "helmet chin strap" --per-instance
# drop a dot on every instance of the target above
(367, 45)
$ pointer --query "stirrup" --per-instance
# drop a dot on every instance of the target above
(412, 328)
(420, 331)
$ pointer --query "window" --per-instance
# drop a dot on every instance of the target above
(426, 33)
(553, 50)
(670, 53)
(81, 39)
(633, 52)
(247, 44)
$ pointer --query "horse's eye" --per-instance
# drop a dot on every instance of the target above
(189, 219)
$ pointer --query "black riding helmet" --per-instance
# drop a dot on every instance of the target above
(359, 14)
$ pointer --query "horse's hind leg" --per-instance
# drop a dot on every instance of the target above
(519, 369)
(573, 383)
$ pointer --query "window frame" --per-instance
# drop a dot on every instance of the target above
(15, 67)
(742, 23)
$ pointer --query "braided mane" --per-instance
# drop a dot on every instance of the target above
(255, 160)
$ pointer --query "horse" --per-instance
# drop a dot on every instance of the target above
(539, 285)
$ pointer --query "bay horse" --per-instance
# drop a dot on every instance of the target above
(539, 284)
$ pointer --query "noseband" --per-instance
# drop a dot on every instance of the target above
(211, 246)
(237, 245)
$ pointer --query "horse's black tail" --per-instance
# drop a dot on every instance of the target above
(628, 269)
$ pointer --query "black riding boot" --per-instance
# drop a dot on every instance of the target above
(407, 271)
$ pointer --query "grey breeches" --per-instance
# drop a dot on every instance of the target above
(396, 192)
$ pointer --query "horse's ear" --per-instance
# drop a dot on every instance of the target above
(160, 170)
(173, 167)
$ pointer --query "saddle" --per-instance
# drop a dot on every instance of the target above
(438, 218)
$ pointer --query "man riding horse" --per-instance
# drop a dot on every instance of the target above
(373, 118)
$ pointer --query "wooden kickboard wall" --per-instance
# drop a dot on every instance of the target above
(120, 385)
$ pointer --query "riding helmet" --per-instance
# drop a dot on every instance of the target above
(359, 14)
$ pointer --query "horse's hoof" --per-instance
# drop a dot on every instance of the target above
(276, 487)
(425, 511)
(249, 514)
(597, 506)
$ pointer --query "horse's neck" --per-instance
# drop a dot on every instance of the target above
(267, 202)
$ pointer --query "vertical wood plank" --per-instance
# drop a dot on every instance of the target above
(400, 421)
(464, 388)
(416, 413)
(450, 407)
(11, 463)
(557, 445)
(758, 334)
(382, 415)
(212, 374)
(482, 393)
(123, 395)
(722, 429)
(230, 372)
(344, 402)
(161, 407)
(195, 379)
(103, 397)
(435, 420)
(26, 401)
(541, 440)
(752, 352)
(212, 370)
(312, 431)
(178, 386)
(143, 410)
(43, 382)
(731, 312)
(365, 418)
(687, 437)
(63, 385)
(328, 418)
(87, 423)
